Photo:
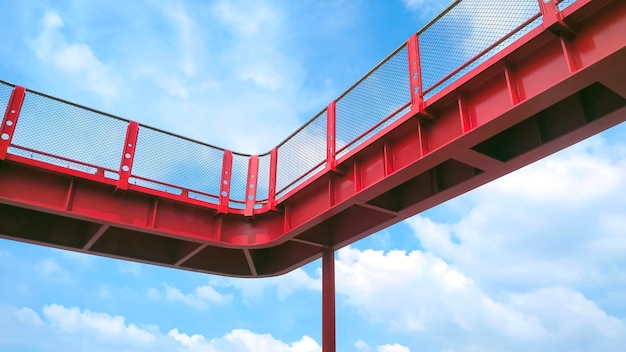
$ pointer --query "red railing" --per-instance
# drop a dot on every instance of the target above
(86, 143)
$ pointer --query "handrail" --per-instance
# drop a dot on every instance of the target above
(339, 147)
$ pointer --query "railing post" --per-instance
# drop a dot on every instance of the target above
(415, 76)
(227, 169)
(552, 19)
(271, 190)
(128, 155)
(10, 119)
(331, 136)
(251, 185)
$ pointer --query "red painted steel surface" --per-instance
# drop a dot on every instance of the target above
(329, 335)
(331, 136)
(10, 119)
(227, 172)
(415, 76)
(128, 155)
(555, 85)
(251, 185)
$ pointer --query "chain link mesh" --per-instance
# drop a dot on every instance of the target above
(565, 3)
(370, 134)
(300, 181)
(59, 128)
(465, 31)
(380, 94)
(162, 157)
(263, 179)
(5, 94)
(301, 153)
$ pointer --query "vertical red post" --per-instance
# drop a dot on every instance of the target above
(415, 72)
(128, 155)
(271, 190)
(227, 169)
(251, 185)
(552, 19)
(10, 119)
(329, 342)
(331, 137)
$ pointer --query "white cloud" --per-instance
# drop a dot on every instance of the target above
(556, 221)
(200, 298)
(241, 340)
(570, 315)
(101, 325)
(28, 315)
(154, 294)
(75, 329)
(74, 60)
(49, 268)
(425, 8)
(130, 268)
(419, 293)
(256, 53)
(393, 348)
(245, 19)
(362, 346)
(284, 285)
(189, 43)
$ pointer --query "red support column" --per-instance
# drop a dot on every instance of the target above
(331, 138)
(251, 185)
(10, 119)
(227, 168)
(128, 155)
(271, 191)
(415, 79)
(329, 342)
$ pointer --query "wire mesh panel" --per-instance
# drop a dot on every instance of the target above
(5, 94)
(170, 160)
(465, 32)
(378, 96)
(263, 179)
(301, 153)
(58, 128)
(565, 3)
(381, 126)
(238, 181)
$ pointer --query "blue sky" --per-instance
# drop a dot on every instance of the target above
(532, 262)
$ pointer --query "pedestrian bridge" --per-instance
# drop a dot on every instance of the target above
(484, 89)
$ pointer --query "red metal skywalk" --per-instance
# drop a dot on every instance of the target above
(486, 88)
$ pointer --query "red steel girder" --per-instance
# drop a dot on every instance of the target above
(542, 93)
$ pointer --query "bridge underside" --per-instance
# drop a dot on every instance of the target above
(546, 92)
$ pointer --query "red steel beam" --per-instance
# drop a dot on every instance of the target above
(517, 107)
